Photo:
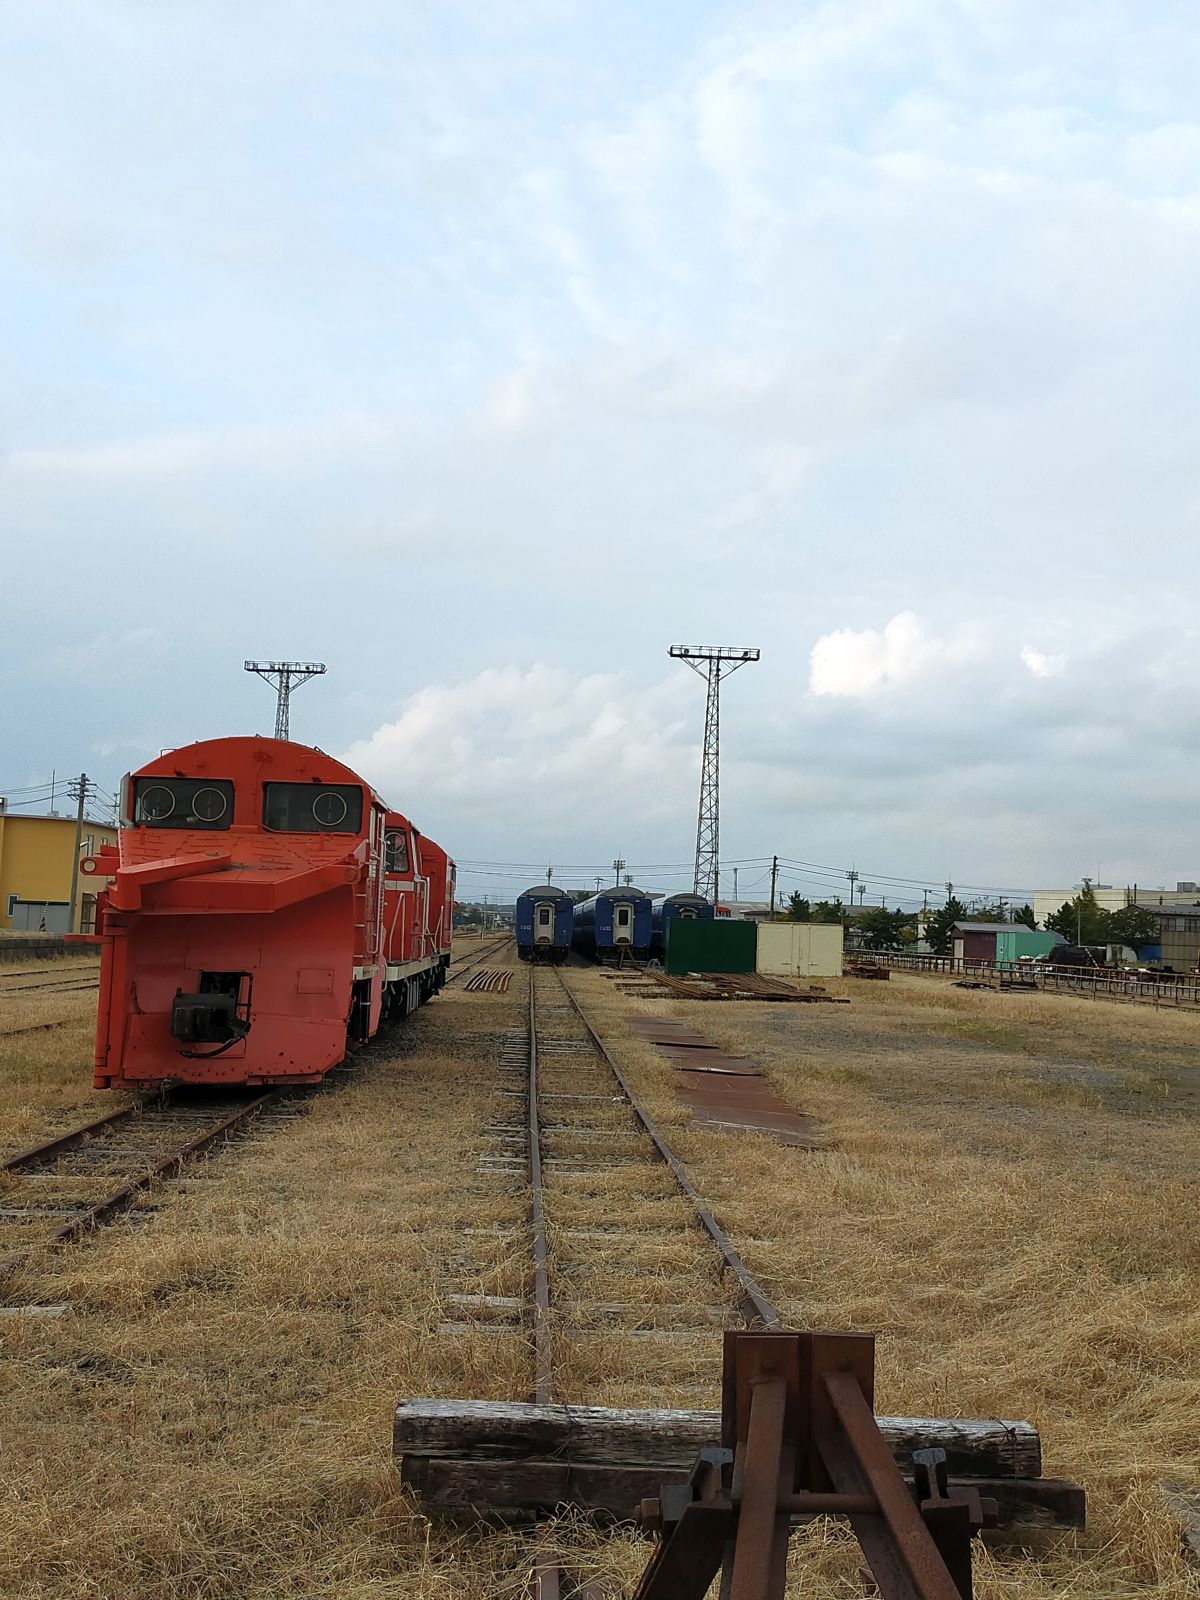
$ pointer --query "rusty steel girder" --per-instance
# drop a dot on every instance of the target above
(798, 1439)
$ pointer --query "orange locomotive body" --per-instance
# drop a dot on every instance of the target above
(243, 930)
(439, 871)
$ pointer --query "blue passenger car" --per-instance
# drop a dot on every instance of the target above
(544, 922)
(666, 907)
(613, 923)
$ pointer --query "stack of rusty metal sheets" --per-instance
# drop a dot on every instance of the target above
(489, 980)
(722, 1090)
(743, 986)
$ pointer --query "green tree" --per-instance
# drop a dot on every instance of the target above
(994, 913)
(799, 909)
(1133, 926)
(1081, 920)
(829, 911)
(882, 929)
(940, 922)
(1024, 914)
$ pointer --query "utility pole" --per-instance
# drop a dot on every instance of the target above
(618, 868)
(712, 662)
(284, 676)
(949, 893)
(549, 874)
(599, 881)
(774, 879)
(735, 873)
(81, 793)
(853, 877)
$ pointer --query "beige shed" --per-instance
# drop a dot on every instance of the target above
(800, 949)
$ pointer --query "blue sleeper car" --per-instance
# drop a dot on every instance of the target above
(613, 924)
(544, 923)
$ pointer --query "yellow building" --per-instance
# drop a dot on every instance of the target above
(35, 872)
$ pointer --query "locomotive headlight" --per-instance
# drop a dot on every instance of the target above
(210, 805)
(156, 803)
(329, 809)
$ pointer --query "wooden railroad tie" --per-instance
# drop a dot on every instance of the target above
(512, 1460)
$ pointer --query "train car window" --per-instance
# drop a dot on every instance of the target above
(395, 852)
(182, 803)
(312, 807)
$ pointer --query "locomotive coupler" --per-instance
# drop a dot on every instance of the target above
(219, 1014)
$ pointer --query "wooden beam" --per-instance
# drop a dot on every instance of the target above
(526, 1488)
(478, 1429)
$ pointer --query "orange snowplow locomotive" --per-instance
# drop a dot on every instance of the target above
(246, 928)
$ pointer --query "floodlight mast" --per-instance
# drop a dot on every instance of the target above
(712, 662)
(284, 676)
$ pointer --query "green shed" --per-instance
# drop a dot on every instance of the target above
(719, 945)
(1015, 941)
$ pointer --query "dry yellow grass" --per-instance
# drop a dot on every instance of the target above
(1009, 1202)
(212, 1416)
(46, 1074)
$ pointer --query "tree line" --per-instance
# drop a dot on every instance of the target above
(1077, 921)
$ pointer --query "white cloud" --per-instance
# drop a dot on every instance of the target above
(1042, 665)
(850, 663)
(531, 748)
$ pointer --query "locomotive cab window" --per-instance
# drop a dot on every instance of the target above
(622, 916)
(544, 916)
(395, 852)
(312, 807)
(182, 803)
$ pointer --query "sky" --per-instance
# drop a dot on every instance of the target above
(485, 351)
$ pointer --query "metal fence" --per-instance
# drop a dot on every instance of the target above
(1096, 983)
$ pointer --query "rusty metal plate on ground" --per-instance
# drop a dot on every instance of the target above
(699, 1060)
(660, 1030)
(722, 1090)
(745, 1105)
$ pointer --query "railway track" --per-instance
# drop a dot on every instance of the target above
(63, 1190)
(633, 1291)
(50, 980)
(623, 1252)
(466, 963)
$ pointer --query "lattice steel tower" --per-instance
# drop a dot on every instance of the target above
(713, 662)
(284, 676)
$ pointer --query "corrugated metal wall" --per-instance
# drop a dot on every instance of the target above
(721, 945)
(1013, 942)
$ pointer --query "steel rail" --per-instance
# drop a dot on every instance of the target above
(466, 963)
(41, 1027)
(69, 986)
(540, 1299)
(56, 969)
(546, 1577)
(753, 1303)
(121, 1199)
(37, 1155)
